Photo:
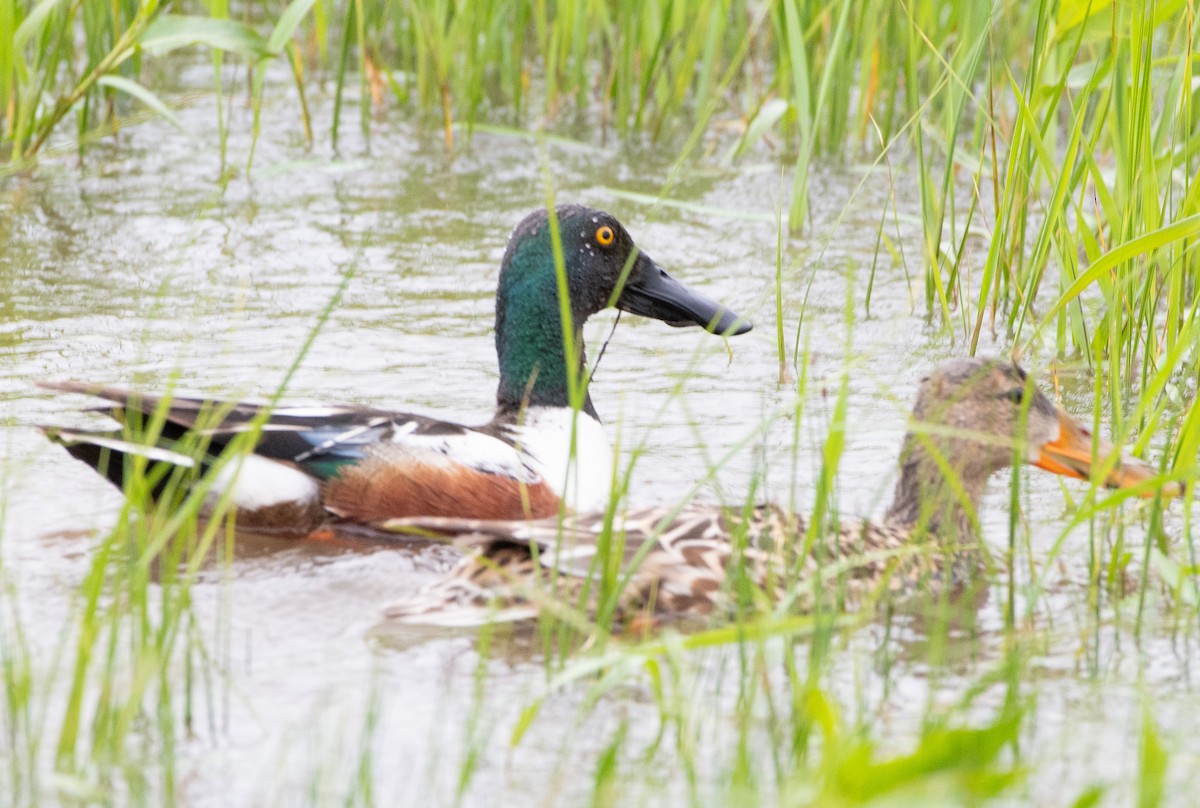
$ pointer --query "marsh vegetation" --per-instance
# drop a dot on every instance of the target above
(192, 191)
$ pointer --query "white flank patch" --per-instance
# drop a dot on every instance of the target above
(261, 482)
(584, 481)
(475, 450)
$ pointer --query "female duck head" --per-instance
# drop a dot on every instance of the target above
(603, 268)
(974, 417)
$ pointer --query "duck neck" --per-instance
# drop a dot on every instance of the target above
(531, 351)
(926, 501)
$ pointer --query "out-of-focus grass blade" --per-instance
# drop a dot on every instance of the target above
(132, 88)
(766, 117)
(287, 23)
(1152, 774)
(177, 31)
(32, 24)
(1188, 227)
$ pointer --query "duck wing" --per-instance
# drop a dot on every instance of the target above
(670, 562)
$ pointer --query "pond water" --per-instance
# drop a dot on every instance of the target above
(137, 267)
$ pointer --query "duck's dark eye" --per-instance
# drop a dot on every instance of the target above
(1015, 395)
(605, 235)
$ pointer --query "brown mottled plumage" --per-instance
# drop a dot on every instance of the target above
(684, 566)
(966, 419)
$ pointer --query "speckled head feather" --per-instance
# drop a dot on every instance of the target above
(592, 268)
(603, 267)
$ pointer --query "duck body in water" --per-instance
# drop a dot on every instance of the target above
(354, 464)
(972, 418)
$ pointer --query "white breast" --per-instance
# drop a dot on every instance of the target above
(582, 477)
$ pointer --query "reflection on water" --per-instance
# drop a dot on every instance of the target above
(137, 268)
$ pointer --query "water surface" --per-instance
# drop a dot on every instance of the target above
(136, 266)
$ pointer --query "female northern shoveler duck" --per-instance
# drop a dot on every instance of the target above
(364, 465)
(967, 417)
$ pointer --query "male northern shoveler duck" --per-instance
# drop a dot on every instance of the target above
(966, 420)
(363, 465)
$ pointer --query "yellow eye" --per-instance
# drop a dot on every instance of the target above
(604, 235)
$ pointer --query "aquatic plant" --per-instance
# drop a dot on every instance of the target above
(1055, 156)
